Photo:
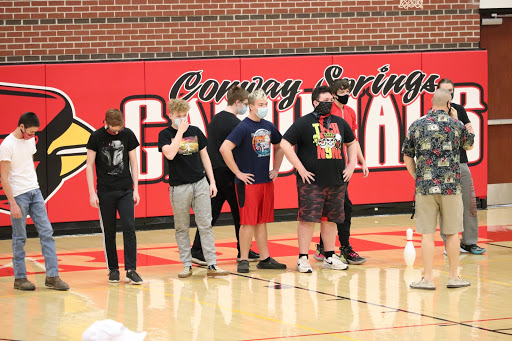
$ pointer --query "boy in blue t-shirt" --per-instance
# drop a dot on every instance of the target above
(254, 182)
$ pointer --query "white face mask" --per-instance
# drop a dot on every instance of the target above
(178, 120)
(243, 110)
(262, 112)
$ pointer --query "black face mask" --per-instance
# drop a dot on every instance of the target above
(323, 108)
(453, 94)
(342, 99)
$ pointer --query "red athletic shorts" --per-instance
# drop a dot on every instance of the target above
(256, 203)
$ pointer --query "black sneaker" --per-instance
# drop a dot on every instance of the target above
(133, 277)
(113, 276)
(319, 253)
(473, 248)
(198, 258)
(253, 256)
(271, 264)
(243, 267)
(351, 256)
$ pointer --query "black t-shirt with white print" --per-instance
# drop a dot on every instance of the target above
(186, 167)
(320, 149)
(112, 161)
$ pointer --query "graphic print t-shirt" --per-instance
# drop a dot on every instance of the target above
(254, 141)
(186, 167)
(320, 149)
(112, 161)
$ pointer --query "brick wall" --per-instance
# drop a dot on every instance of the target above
(72, 30)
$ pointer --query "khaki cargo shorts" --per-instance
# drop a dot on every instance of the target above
(428, 207)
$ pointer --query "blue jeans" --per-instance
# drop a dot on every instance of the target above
(32, 203)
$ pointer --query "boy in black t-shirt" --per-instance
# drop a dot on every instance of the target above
(221, 125)
(184, 147)
(112, 150)
(469, 239)
(321, 174)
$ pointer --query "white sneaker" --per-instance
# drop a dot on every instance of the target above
(303, 265)
(186, 272)
(461, 251)
(334, 263)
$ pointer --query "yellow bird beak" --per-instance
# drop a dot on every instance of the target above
(71, 147)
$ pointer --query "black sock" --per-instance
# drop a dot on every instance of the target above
(329, 254)
(265, 260)
(303, 254)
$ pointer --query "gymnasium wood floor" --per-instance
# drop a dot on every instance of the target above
(366, 302)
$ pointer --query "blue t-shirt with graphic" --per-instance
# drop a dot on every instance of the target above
(253, 141)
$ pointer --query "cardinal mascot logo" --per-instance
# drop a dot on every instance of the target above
(61, 140)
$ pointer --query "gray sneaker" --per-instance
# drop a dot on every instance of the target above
(457, 283)
(186, 272)
(56, 283)
(423, 285)
(243, 266)
(24, 284)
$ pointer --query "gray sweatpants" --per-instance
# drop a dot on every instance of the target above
(197, 196)
(470, 217)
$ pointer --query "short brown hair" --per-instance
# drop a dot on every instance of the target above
(114, 118)
(340, 84)
(236, 93)
(178, 106)
(444, 81)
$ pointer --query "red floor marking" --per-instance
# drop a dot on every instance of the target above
(495, 233)
(374, 329)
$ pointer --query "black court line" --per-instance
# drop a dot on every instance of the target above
(508, 247)
(503, 329)
(448, 322)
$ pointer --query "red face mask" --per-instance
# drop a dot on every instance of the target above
(113, 132)
(25, 135)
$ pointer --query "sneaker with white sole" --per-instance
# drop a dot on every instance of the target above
(113, 276)
(198, 257)
(334, 263)
(471, 248)
(186, 272)
(133, 277)
(423, 285)
(214, 270)
(457, 283)
(461, 250)
(303, 265)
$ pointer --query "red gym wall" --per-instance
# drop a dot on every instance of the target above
(69, 61)
(391, 91)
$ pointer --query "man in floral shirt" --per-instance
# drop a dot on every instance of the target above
(434, 140)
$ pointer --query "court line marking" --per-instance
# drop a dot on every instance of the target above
(374, 304)
(441, 324)
(252, 315)
(508, 247)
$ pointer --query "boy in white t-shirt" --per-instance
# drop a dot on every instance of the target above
(19, 181)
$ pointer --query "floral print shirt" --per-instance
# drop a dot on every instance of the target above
(434, 140)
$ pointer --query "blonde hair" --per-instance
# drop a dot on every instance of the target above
(178, 106)
(257, 94)
(114, 118)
